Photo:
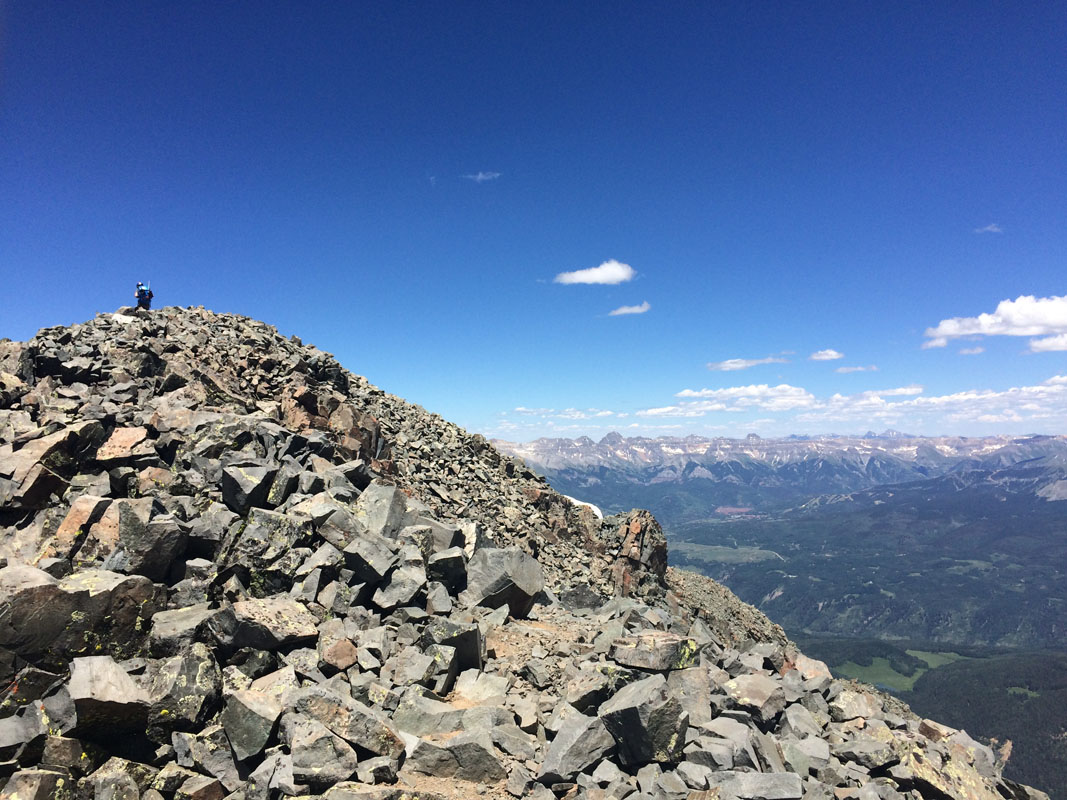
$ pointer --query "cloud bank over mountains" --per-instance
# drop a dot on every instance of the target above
(798, 410)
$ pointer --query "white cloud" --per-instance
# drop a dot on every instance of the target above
(846, 370)
(990, 228)
(1049, 343)
(734, 364)
(482, 177)
(792, 409)
(610, 273)
(1025, 316)
(826, 355)
(641, 309)
(775, 398)
(1044, 401)
(971, 351)
(566, 413)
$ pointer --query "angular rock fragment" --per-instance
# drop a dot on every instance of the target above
(320, 758)
(208, 752)
(106, 698)
(263, 624)
(580, 743)
(647, 723)
(757, 786)
(184, 693)
(655, 651)
(758, 693)
(351, 720)
(498, 577)
(246, 486)
(466, 757)
(849, 704)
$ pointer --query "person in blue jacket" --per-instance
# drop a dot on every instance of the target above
(144, 296)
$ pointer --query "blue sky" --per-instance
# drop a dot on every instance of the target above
(402, 185)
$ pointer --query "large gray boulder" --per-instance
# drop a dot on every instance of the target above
(648, 724)
(268, 623)
(580, 743)
(498, 577)
(106, 698)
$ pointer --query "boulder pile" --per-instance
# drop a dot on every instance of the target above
(231, 569)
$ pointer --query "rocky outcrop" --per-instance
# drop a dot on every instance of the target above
(233, 569)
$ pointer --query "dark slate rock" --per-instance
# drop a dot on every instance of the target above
(449, 567)
(266, 537)
(175, 629)
(36, 784)
(370, 557)
(655, 651)
(184, 693)
(466, 757)
(498, 577)
(465, 637)
(758, 693)
(351, 720)
(263, 624)
(401, 587)
(208, 752)
(758, 786)
(647, 723)
(246, 486)
(579, 744)
(320, 758)
(382, 510)
(694, 689)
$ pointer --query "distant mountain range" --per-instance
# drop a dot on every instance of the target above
(687, 478)
(948, 539)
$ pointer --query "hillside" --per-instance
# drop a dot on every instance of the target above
(234, 569)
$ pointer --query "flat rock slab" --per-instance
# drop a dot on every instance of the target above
(758, 693)
(351, 720)
(264, 624)
(121, 445)
(466, 757)
(655, 651)
(757, 785)
(849, 704)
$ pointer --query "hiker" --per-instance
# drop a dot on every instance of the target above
(144, 296)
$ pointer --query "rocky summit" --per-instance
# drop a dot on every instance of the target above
(232, 569)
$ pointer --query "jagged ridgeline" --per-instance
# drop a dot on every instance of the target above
(235, 570)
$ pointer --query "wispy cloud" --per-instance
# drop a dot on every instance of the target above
(826, 355)
(482, 177)
(779, 398)
(565, 413)
(641, 309)
(1025, 316)
(1045, 401)
(846, 370)
(992, 227)
(734, 364)
(609, 273)
(971, 351)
